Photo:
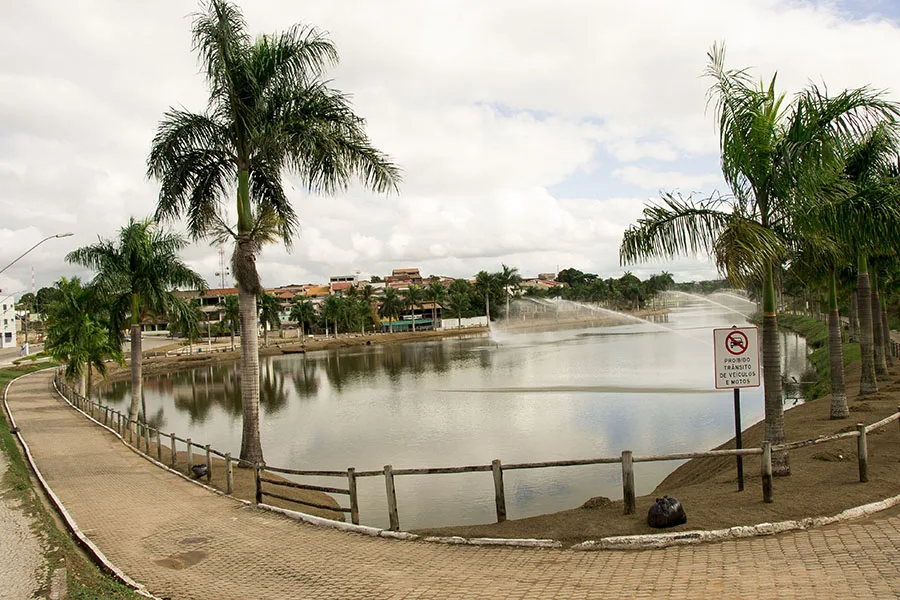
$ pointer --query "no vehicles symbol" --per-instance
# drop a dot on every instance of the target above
(736, 343)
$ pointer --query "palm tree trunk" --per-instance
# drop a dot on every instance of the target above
(867, 381)
(232, 337)
(839, 409)
(413, 318)
(774, 403)
(136, 379)
(266, 335)
(886, 337)
(251, 446)
(854, 317)
(877, 332)
(391, 323)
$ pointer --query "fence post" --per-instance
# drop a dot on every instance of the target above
(174, 451)
(208, 465)
(190, 457)
(256, 476)
(766, 471)
(229, 482)
(391, 497)
(862, 447)
(147, 439)
(354, 501)
(628, 481)
(499, 495)
(158, 446)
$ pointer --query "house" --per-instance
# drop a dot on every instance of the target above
(401, 279)
(7, 321)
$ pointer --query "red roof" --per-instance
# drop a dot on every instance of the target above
(341, 285)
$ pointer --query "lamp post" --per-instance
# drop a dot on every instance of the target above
(49, 237)
(18, 258)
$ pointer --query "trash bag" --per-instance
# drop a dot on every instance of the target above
(667, 512)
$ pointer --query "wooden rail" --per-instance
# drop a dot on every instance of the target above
(134, 432)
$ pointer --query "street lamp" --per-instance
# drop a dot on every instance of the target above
(49, 237)
(17, 259)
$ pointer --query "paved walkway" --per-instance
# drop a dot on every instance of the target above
(184, 542)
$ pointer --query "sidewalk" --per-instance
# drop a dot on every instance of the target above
(184, 542)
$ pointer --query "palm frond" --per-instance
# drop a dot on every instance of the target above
(675, 226)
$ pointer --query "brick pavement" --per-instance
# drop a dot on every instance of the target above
(184, 542)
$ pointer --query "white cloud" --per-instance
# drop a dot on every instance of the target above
(486, 107)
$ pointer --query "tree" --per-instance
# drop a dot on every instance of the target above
(486, 285)
(135, 277)
(303, 313)
(77, 336)
(269, 110)
(437, 294)
(412, 299)
(508, 279)
(774, 158)
(185, 317)
(269, 310)
(232, 314)
(390, 306)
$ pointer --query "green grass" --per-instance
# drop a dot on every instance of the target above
(816, 334)
(85, 580)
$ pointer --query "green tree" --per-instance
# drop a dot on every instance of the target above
(231, 314)
(77, 335)
(774, 158)
(136, 274)
(185, 317)
(437, 294)
(412, 299)
(303, 313)
(269, 311)
(391, 305)
(508, 279)
(269, 109)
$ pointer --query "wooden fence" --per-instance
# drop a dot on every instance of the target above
(134, 432)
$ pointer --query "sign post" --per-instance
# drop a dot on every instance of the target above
(737, 366)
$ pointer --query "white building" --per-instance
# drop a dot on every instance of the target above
(7, 321)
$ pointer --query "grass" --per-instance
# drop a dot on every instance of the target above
(86, 581)
(816, 334)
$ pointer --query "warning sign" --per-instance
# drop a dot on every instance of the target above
(736, 357)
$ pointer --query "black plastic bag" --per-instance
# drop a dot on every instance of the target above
(667, 512)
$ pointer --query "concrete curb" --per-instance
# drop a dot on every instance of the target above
(70, 522)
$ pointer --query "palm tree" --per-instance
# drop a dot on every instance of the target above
(774, 158)
(303, 313)
(76, 335)
(185, 317)
(135, 277)
(269, 310)
(437, 294)
(508, 279)
(412, 298)
(486, 284)
(330, 310)
(391, 305)
(232, 314)
(269, 109)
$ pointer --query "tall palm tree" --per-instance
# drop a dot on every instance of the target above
(412, 298)
(486, 285)
(185, 317)
(269, 110)
(330, 310)
(136, 275)
(437, 294)
(232, 314)
(391, 305)
(303, 313)
(508, 279)
(774, 158)
(269, 311)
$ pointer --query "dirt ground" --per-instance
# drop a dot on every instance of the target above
(824, 478)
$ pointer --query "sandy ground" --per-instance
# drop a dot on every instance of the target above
(22, 567)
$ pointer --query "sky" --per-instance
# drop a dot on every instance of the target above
(529, 133)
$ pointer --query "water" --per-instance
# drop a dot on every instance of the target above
(555, 395)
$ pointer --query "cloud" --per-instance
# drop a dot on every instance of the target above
(486, 107)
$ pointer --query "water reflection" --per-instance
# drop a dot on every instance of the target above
(531, 397)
